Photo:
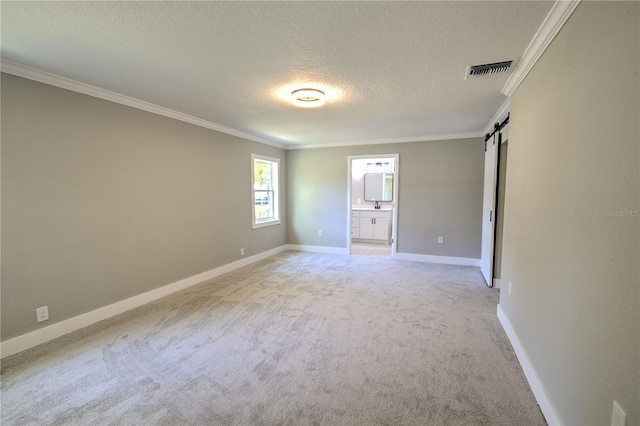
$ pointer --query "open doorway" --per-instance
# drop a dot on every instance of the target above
(372, 204)
(502, 179)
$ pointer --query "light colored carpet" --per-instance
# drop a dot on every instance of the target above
(295, 339)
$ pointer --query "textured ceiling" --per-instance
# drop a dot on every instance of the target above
(392, 70)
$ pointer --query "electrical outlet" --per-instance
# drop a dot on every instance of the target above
(509, 287)
(618, 416)
(42, 314)
(242, 252)
(440, 240)
(319, 232)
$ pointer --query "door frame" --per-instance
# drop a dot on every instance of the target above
(500, 205)
(395, 202)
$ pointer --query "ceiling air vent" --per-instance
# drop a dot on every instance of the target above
(502, 67)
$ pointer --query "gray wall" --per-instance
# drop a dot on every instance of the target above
(440, 193)
(573, 160)
(101, 202)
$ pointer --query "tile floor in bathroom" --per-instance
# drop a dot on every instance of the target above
(371, 249)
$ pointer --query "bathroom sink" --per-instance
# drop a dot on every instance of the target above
(382, 208)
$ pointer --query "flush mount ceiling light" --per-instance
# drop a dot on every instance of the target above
(307, 98)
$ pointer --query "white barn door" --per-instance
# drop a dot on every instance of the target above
(489, 208)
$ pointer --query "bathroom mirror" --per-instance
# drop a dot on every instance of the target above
(378, 186)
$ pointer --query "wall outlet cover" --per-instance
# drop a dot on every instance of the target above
(320, 233)
(42, 314)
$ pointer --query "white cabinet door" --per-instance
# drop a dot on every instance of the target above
(381, 228)
(371, 225)
(366, 227)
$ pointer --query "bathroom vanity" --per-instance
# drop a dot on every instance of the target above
(371, 225)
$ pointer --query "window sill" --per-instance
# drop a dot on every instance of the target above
(265, 224)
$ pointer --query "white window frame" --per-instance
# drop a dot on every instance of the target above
(275, 183)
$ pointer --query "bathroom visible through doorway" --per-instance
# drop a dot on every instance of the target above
(373, 204)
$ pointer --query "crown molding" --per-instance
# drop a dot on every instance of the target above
(427, 138)
(24, 71)
(558, 15)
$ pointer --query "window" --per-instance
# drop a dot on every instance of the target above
(264, 190)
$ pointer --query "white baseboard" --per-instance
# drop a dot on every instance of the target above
(532, 377)
(496, 283)
(438, 259)
(34, 338)
(317, 249)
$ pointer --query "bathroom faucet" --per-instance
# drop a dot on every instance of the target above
(377, 206)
